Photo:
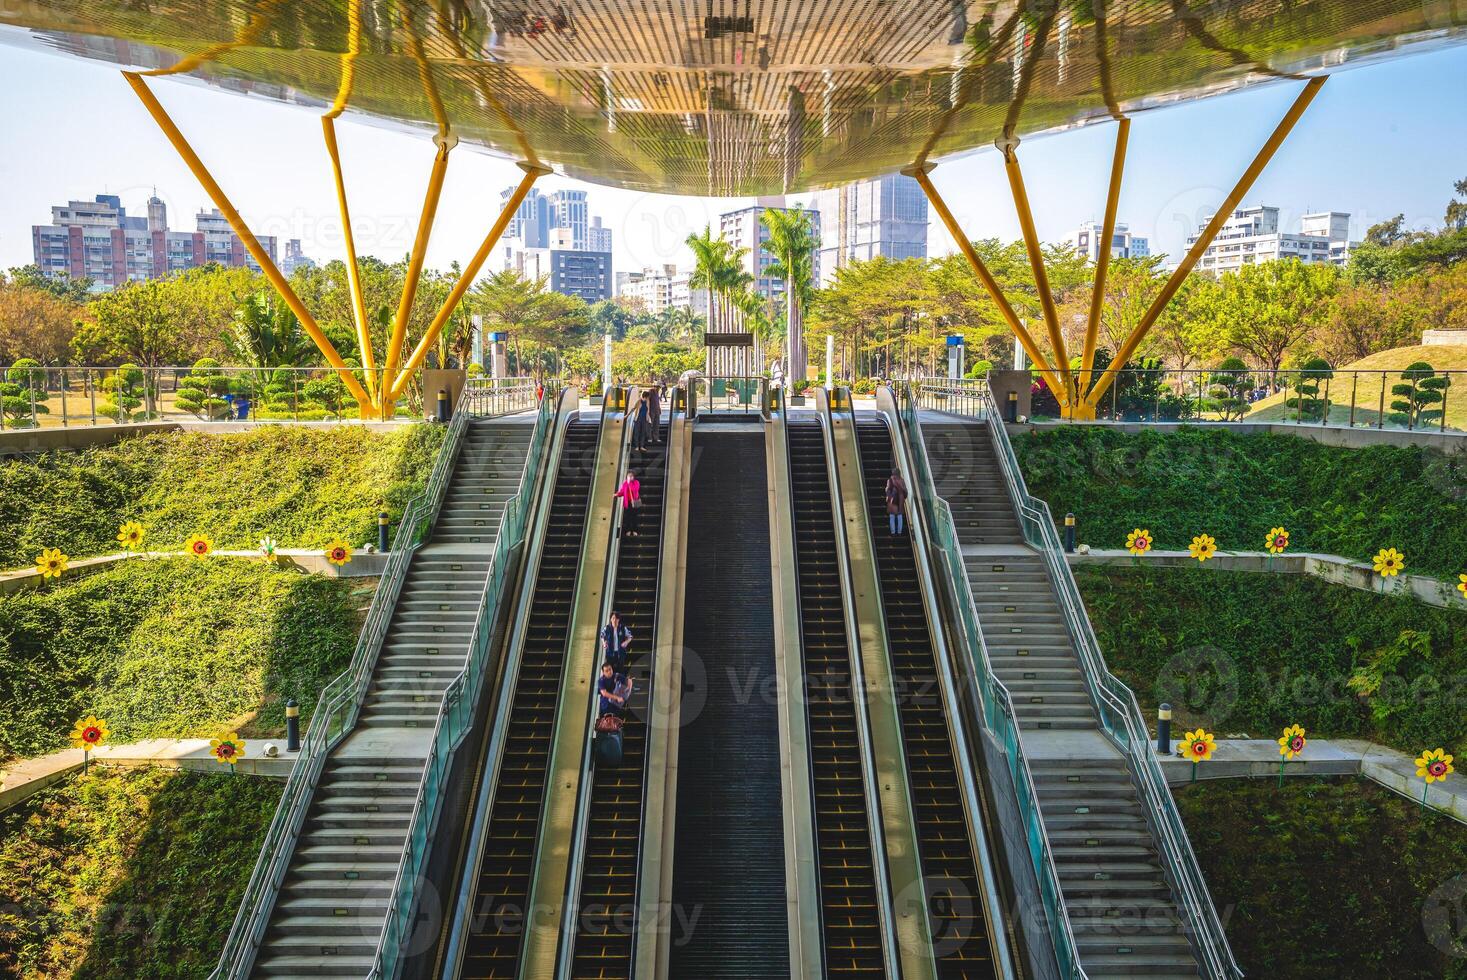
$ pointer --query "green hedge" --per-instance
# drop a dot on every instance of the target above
(1236, 487)
(128, 873)
(174, 647)
(1326, 879)
(1255, 651)
(302, 486)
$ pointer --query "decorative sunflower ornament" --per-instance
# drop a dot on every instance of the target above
(199, 545)
(130, 535)
(1388, 562)
(1203, 547)
(50, 563)
(1138, 542)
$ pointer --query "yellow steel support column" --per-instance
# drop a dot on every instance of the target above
(1224, 211)
(251, 243)
(1066, 396)
(414, 270)
(919, 173)
(533, 172)
(1081, 407)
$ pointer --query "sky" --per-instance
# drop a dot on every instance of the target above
(1379, 140)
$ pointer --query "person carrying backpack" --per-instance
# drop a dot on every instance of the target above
(896, 501)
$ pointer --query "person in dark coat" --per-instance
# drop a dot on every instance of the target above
(654, 413)
(616, 642)
(896, 502)
(641, 425)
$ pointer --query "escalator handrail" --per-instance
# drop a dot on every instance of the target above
(995, 705)
(957, 730)
(459, 706)
(1120, 717)
(570, 920)
(567, 408)
(858, 684)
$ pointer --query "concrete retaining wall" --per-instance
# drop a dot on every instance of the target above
(362, 565)
(1329, 435)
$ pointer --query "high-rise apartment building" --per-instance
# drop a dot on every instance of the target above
(99, 240)
(568, 209)
(649, 291)
(598, 237)
(1252, 235)
(743, 229)
(574, 272)
(1123, 245)
(879, 216)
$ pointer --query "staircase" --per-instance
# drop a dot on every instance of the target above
(1121, 908)
(332, 905)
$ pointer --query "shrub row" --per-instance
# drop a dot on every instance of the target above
(1236, 487)
(176, 647)
(302, 486)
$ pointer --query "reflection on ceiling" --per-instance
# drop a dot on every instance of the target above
(719, 97)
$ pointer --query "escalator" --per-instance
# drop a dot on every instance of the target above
(502, 880)
(851, 927)
(960, 934)
(728, 880)
(607, 906)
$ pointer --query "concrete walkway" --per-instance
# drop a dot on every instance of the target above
(1331, 568)
(363, 564)
(1258, 758)
(26, 777)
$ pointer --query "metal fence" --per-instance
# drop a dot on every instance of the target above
(1419, 399)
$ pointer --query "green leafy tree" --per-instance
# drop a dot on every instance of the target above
(23, 394)
(265, 334)
(1270, 310)
(202, 390)
(123, 393)
(792, 243)
(1309, 401)
(1420, 397)
(1229, 385)
(65, 288)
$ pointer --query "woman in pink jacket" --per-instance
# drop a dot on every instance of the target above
(630, 493)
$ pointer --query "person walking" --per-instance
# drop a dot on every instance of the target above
(896, 501)
(616, 642)
(640, 424)
(630, 493)
(654, 413)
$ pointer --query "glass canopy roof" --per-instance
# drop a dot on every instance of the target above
(720, 97)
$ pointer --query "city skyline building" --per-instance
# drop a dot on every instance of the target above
(100, 241)
(1086, 240)
(1253, 235)
(884, 216)
(743, 229)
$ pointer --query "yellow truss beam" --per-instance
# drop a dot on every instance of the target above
(353, 273)
(1036, 265)
(919, 173)
(533, 172)
(1224, 211)
(1102, 261)
(251, 243)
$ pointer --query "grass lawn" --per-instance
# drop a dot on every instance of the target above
(1365, 391)
(302, 486)
(1331, 879)
(128, 873)
(175, 647)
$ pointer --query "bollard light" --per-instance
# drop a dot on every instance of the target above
(1069, 533)
(292, 726)
(1013, 407)
(1164, 729)
(382, 529)
(443, 404)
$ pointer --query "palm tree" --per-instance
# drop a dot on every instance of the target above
(266, 334)
(709, 258)
(792, 243)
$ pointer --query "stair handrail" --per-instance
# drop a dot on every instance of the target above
(459, 707)
(336, 713)
(1120, 716)
(995, 702)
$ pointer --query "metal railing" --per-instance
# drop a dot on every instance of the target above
(742, 396)
(504, 396)
(992, 696)
(1409, 400)
(461, 698)
(335, 715)
(1121, 719)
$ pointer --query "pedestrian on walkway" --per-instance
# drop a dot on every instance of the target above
(896, 502)
(630, 493)
(616, 642)
(641, 424)
(654, 413)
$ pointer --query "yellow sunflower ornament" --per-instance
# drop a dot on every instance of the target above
(338, 552)
(198, 545)
(130, 535)
(1138, 542)
(50, 563)
(227, 749)
(88, 734)
(1203, 547)
(1292, 742)
(1462, 585)
(1277, 541)
(1388, 562)
(1434, 766)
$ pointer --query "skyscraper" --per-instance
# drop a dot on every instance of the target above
(743, 230)
(879, 216)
